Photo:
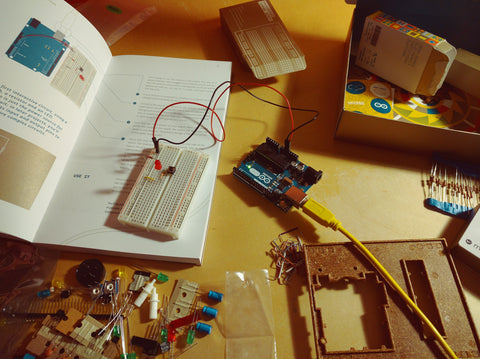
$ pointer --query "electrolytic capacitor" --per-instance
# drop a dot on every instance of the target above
(203, 328)
(216, 296)
(210, 312)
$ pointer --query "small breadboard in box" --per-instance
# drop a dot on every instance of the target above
(164, 190)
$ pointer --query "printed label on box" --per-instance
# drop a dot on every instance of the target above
(369, 97)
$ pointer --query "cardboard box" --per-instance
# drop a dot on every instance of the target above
(261, 40)
(468, 246)
(404, 54)
(447, 123)
(465, 72)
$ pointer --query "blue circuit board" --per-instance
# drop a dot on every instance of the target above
(273, 170)
(38, 47)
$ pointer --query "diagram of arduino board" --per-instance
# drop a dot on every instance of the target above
(38, 47)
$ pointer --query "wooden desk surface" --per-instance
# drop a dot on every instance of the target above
(376, 193)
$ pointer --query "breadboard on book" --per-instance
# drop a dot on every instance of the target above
(160, 198)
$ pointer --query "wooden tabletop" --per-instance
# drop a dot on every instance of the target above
(376, 193)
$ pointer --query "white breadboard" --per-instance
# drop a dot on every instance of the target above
(159, 200)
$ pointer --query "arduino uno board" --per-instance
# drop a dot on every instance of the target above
(276, 173)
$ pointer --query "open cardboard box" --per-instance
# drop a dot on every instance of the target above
(378, 113)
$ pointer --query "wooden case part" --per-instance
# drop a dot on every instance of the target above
(357, 315)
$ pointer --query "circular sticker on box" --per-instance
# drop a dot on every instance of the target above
(380, 90)
(356, 87)
(380, 105)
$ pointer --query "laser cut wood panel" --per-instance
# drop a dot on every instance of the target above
(339, 266)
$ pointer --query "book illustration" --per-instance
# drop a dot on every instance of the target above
(125, 92)
(38, 47)
(23, 169)
(74, 76)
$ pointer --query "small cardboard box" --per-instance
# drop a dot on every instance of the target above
(404, 54)
(376, 112)
(261, 39)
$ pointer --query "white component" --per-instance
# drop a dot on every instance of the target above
(146, 291)
(154, 305)
(159, 200)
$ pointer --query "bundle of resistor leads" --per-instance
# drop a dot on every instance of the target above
(287, 253)
(452, 187)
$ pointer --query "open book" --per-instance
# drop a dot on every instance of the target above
(76, 126)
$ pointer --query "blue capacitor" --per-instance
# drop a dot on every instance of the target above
(216, 296)
(204, 328)
(210, 312)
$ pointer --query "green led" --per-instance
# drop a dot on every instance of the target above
(162, 277)
(190, 336)
(164, 335)
(116, 331)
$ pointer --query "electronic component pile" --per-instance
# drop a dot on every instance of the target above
(175, 321)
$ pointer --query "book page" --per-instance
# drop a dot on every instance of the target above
(114, 144)
(52, 63)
